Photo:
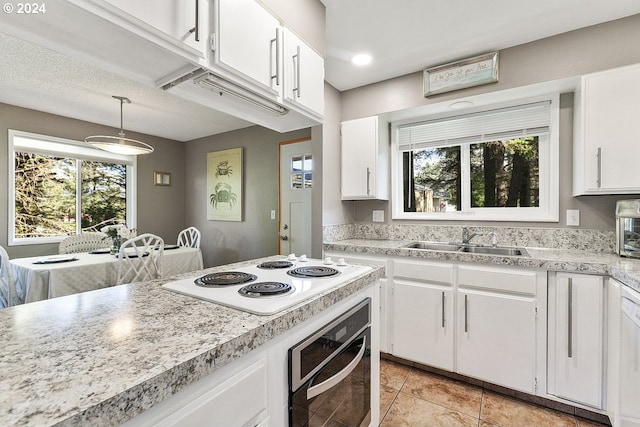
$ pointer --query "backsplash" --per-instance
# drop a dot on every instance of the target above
(552, 238)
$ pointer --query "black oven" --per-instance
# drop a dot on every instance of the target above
(330, 372)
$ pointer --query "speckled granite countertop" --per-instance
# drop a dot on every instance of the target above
(101, 357)
(625, 270)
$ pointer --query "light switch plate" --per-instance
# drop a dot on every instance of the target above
(273, 214)
(378, 216)
(573, 217)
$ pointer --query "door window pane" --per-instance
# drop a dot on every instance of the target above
(301, 171)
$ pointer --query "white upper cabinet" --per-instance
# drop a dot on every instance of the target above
(248, 41)
(304, 75)
(607, 133)
(365, 159)
(253, 46)
(186, 21)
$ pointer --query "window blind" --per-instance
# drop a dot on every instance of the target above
(491, 125)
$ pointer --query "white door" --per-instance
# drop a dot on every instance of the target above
(296, 185)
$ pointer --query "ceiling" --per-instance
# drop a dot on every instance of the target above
(403, 36)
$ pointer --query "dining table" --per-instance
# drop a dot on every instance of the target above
(43, 277)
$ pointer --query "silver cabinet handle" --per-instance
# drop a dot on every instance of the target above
(196, 29)
(296, 61)
(443, 309)
(599, 166)
(466, 311)
(368, 180)
(337, 378)
(570, 318)
(277, 42)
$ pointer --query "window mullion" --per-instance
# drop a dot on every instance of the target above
(78, 196)
(465, 176)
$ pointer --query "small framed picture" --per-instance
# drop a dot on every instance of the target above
(161, 178)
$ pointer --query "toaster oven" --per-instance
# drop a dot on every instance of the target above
(628, 228)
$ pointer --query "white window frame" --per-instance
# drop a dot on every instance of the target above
(549, 153)
(50, 145)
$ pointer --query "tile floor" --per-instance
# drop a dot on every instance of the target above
(414, 398)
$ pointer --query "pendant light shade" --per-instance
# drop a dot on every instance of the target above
(119, 144)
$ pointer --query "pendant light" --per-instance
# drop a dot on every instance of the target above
(119, 144)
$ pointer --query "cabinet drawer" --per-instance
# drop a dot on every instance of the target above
(424, 271)
(500, 280)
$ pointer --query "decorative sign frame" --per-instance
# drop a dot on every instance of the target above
(224, 185)
(162, 178)
(475, 71)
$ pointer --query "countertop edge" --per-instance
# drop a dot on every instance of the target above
(625, 270)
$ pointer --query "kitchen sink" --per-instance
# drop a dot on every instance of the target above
(435, 246)
(460, 247)
(494, 250)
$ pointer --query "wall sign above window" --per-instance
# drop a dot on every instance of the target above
(470, 72)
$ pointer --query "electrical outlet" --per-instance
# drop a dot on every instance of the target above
(378, 216)
(573, 217)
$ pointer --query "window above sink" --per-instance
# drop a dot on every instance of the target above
(498, 163)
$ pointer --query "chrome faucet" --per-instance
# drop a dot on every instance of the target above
(466, 237)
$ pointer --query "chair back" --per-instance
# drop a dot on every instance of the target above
(189, 237)
(140, 259)
(84, 242)
(8, 295)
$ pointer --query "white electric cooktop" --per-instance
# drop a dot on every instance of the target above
(295, 289)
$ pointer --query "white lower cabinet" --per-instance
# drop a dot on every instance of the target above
(422, 325)
(234, 396)
(474, 320)
(576, 338)
(497, 325)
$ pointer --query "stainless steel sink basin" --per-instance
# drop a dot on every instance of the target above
(435, 246)
(459, 247)
(493, 250)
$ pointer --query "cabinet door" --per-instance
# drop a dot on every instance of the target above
(611, 131)
(578, 338)
(248, 42)
(496, 338)
(304, 74)
(359, 151)
(423, 323)
(176, 18)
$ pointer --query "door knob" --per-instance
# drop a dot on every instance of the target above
(284, 237)
(285, 226)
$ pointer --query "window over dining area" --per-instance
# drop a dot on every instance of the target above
(60, 187)
(497, 164)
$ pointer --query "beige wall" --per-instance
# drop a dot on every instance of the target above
(157, 212)
(256, 235)
(578, 52)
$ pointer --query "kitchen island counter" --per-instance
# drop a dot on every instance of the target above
(626, 270)
(102, 357)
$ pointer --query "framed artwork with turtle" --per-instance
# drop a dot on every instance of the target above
(224, 185)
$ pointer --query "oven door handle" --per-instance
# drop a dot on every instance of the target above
(337, 378)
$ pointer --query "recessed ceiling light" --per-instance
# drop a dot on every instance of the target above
(361, 59)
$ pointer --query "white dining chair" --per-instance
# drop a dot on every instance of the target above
(140, 259)
(189, 237)
(83, 242)
(8, 295)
